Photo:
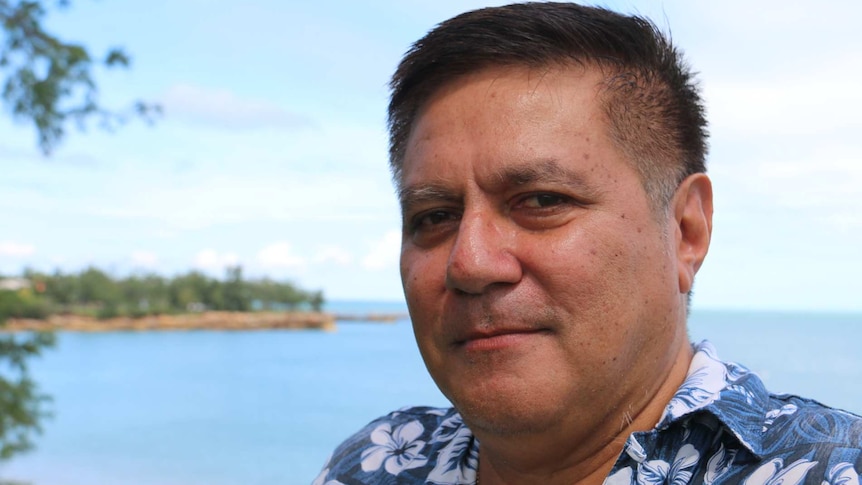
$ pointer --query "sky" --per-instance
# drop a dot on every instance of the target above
(272, 150)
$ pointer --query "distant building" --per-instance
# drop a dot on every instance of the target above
(196, 307)
(14, 284)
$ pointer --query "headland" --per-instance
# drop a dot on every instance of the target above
(208, 320)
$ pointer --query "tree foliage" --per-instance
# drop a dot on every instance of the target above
(94, 292)
(49, 82)
(21, 402)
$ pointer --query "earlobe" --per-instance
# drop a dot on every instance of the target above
(693, 216)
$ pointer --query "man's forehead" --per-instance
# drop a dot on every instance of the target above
(506, 92)
(519, 103)
(532, 76)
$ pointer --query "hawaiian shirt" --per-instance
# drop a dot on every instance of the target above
(721, 427)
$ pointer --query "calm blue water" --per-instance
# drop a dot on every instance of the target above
(249, 408)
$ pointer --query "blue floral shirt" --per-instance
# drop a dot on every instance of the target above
(722, 427)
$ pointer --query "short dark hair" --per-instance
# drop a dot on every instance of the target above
(649, 94)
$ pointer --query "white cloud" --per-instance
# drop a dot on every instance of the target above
(218, 198)
(333, 254)
(384, 253)
(144, 259)
(780, 16)
(845, 221)
(224, 109)
(786, 103)
(212, 259)
(794, 73)
(16, 250)
(817, 177)
(279, 255)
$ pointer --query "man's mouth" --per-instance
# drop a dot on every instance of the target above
(499, 339)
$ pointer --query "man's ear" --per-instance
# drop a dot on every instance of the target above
(692, 211)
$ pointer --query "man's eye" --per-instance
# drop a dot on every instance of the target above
(432, 218)
(539, 201)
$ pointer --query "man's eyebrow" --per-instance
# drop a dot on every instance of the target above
(418, 194)
(545, 171)
(541, 170)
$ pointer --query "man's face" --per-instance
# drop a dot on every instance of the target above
(543, 290)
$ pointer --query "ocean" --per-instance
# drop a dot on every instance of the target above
(267, 407)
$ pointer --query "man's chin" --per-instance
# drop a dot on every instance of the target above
(503, 421)
(507, 411)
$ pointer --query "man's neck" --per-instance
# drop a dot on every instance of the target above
(576, 453)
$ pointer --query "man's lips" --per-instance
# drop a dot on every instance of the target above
(498, 339)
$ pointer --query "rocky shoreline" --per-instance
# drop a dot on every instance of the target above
(371, 317)
(189, 321)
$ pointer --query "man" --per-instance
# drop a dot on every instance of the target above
(550, 166)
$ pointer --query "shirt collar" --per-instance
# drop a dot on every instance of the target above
(728, 391)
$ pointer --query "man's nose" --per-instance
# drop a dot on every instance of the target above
(481, 256)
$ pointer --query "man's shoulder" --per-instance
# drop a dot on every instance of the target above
(724, 414)
(764, 422)
(775, 424)
(405, 445)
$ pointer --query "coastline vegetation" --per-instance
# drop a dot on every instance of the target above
(96, 294)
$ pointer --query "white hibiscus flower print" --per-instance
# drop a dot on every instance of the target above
(458, 460)
(396, 450)
(655, 472)
(718, 465)
(774, 472)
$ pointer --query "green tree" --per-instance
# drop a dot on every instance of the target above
(143, 295)
(21, 403)
(237, 297)
(62, 289)
(22, 304)
(189, 289)
(49, 82)
(290, 296)
(316, 300)
(158, 294)
(99, 290)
